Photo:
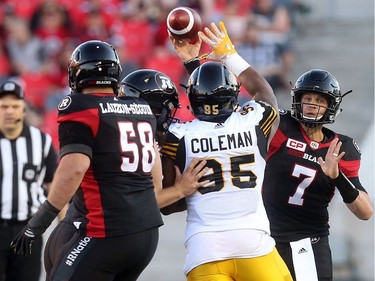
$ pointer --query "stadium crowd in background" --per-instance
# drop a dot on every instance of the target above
(37, 37)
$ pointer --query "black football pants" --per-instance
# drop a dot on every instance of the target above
(18, 267)
(322, 255)
(119, 258)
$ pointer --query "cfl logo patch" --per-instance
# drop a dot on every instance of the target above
(297, 145)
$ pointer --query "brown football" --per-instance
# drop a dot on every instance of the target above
(184, 23)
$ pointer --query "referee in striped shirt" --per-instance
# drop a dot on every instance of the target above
(28, 161)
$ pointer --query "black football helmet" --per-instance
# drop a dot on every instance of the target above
(212, 90)
(158, 90)
(94, 64)
(321, 82)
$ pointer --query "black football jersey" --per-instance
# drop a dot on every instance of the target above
(296, 192)
(116, 195)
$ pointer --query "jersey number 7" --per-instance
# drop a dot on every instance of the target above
(309, 175)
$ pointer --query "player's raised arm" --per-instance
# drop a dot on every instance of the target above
(223, 50)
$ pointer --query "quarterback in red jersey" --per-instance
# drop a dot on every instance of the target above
(306, 163)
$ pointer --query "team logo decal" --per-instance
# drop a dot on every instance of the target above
(64, 104)
(315, 240)
(297, 145)
(165, 83)
(314, 145)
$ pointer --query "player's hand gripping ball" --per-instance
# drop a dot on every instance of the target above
(184, 23)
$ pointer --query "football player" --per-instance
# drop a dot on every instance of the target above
(106, 172)
(227, 234)
(306, 164)
(161, 94)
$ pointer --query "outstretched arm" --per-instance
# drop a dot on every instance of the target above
(356, 200)
(224, 51)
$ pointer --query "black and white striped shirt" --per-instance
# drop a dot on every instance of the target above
(26, 163)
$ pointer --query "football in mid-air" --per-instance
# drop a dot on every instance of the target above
(184, 23)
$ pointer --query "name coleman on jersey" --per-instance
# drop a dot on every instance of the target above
(221, 142)
(139, 109)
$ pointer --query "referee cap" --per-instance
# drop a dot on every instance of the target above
(12, 88)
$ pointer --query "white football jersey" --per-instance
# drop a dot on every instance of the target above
(235, 152)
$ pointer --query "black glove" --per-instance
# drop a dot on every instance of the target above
(36, 226)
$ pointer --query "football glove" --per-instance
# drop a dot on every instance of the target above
(36, 226)
(219, 41)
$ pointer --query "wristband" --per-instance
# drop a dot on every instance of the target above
(347, 190)
(191, 65)
(236, 63)
(43, 218)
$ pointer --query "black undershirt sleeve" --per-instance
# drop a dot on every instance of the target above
(75, 137)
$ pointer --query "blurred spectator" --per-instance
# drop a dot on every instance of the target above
(295, 8)
(26, 51)
(140, 9)
(38, 36)
(21, 8)
(220, 6)
(4, 64)
(28, 60)
(204, 8)
(274, 19)
(235, 20)
(57, 66)
(79, 10)
(275, 22)
(138, 36)
(127, 64)
(160, 26)
(93, 27)
(51, 23)
(264, 55)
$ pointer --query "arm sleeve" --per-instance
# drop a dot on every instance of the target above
(75, 137)
(191, 65)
